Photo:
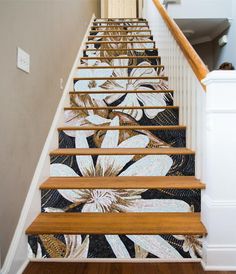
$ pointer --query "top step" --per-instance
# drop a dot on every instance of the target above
(121, 22)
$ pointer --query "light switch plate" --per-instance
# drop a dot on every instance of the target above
(23, 60)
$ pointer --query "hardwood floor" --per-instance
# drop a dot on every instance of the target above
(118, 268)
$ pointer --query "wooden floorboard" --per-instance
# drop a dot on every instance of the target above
(118, 268)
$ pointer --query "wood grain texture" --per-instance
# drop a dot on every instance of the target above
(115, 67)
(119, 91)
(193, 58)
(123, 182)
(117, 223)
(120, 31)
(117, 107)
(121, 21)
(137, 23)
(125, 49)
(120, 42)
(118, 268)
(115, 36)
(128, 127)
(115, 28)
(121, 151)
(121, 57)
(120, 78)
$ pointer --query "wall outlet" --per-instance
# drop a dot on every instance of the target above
(61, 83)
(23, 60)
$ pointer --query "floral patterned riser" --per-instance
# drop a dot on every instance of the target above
(125, 24)
(121, 200)
(121, 32)
(175, 247)
(127, 117)
(117, 62)
(174, 138)
(183, 165)
(118, 38)
(119, 19)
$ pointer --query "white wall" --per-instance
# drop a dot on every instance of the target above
(201, 9)
(227, 53)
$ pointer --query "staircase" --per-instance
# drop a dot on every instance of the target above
(122, 181)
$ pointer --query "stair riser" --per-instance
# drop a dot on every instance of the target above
(121, 24)
(121, 37)
(168, 96)
(109, 59)
(120, 32)
(107, 53)
(112, 43)
(174, 138)
(119, 29)
(153, 200)
(174, 165)
(169, 247)
(78, 117)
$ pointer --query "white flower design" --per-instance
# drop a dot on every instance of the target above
(86, 117)
(74, 246)
(122, 200)
(38, 254)
(134, 99)
(92, 85)
(192, 244)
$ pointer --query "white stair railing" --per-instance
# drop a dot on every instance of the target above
(184, 74)
(209, 112)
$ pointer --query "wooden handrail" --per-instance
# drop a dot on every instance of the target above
(193, 58)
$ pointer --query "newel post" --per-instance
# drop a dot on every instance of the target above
(219, 171)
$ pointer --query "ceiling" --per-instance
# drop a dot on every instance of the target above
(202, 30)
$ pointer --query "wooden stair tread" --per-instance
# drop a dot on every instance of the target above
(123, 49)
(120, 78)
(127, 127)
(123, 182)
(115, 36)
(119, 18)
(120, 57)
(121, 22)
(121, 151)
(117, 107)
(115, 26)
(129, 28)
(117, 223)
(119, 91)
(120, 42)
(115, 67)
(122, 31)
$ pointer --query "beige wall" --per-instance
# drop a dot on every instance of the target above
(51, 32)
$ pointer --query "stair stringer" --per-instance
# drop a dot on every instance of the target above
(17, 256)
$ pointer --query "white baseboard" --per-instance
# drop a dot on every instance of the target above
(23, 266)
(219, 218)
(17, 253)
(219, 247)
(219, 258)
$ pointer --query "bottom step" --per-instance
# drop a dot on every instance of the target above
(116, 235)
